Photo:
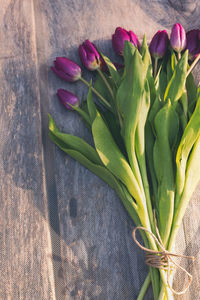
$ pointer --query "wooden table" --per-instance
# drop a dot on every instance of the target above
(63, 232)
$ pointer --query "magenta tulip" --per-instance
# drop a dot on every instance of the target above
(193, 43)
(67, 98)
(89, 56)
(178, 38)
(159, 44)
(66, 69)
(120, 36)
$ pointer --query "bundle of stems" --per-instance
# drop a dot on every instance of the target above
(146, 133)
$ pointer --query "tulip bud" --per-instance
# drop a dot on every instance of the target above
(67, 98)
(193, 43)
(89, 56)
(66, 69)
(120, 36)
(178, 38)
(159, 44)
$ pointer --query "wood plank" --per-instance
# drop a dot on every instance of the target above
(25, 247)
(98, 257)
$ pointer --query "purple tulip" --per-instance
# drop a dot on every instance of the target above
(178, 38)
(120, 36)
(159, 44)
(193, 43)
(66, 69)
(67, 98)
(89, 56)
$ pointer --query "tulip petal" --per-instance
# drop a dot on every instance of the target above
(118, 40)
(178, 37)
(134, 39)
(89, 56)
(62, 75)
(159, 44)
(67, 98)
(66, 69)
(193, 43)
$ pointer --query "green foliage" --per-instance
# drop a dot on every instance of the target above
(74, 142)
(100, 86)
(91, 105)
(112, 157)
(112, 69)
(176, 84)
(147, 146)
(191, 93)
(189, 138)
(129, 50)
(166, 127)
(129, 102)
(146, 58)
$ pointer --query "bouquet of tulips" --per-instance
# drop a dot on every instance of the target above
(145, 123)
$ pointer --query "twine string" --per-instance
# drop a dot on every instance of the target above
(163, 259)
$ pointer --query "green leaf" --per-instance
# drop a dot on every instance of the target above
(182, 118)
(176, 84)
(198, 92)
(82, 113)
(112, 69)
(105, 175)
(191, 180)
(171, 65)
(140, 130)
(189, 137)
(191, 93)
(140, 146)
(74, 142)
(84, 107)
(146, 58)
(157, 105)
(166, 127)
(161, 84)
(184, 102)
(99, 170)
(144, 46)
(131, 88)
(114, 127)
(129, 50)
(129, 100)
(112, 158)
(100, 86)
(129, 204)
(108, 117)
(156, 80)
(149, 145)
(192, 171)
(91, 105)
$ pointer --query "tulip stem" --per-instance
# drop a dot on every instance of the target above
(144, 287)
(111, 93)
(104, 101)
(193, 65)
(155, 67)
(106, 83)
(179, 55)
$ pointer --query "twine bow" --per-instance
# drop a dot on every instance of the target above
(163, 259)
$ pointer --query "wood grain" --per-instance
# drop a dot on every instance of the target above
(25, 247)
(89, 245)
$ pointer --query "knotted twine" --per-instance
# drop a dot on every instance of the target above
(163, 259)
